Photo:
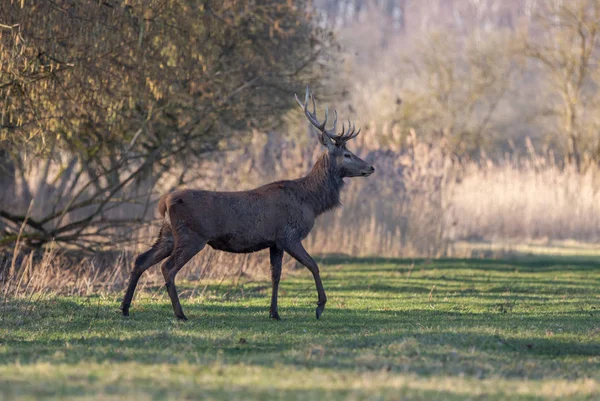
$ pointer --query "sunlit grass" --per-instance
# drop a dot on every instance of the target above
(568, 248)
(527, 328)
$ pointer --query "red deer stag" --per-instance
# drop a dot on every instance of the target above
(277, 216)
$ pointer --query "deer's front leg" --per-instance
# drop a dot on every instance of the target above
(276, 254)
(297, 251)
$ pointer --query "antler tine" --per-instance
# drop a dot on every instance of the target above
(350, 129)
(306, 97)
(331, 132)
(335, 120)
(312, 117)
(302, 105)
(298, 101)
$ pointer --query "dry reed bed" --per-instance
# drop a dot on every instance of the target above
(528, 202)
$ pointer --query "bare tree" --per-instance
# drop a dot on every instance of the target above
(566, 48)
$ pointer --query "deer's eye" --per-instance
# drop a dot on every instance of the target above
(347, 156)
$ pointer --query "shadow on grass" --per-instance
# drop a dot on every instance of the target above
(425, 342)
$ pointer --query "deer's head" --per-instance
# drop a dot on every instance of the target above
(346, 163)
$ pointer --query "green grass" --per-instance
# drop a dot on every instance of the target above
(525, 329)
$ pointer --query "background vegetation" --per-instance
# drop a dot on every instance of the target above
(480, 116)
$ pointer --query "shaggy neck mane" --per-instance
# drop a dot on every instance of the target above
(322, 185)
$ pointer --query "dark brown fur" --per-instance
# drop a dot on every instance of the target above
(277, 216)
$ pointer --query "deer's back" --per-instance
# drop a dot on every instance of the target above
(244, 221)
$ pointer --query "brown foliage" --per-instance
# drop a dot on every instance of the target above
(112, 92)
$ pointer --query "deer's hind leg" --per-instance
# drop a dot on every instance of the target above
(186, 246)
(161, 249)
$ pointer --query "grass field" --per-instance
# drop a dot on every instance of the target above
(521, 329)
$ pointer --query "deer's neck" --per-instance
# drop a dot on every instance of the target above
(322, 186)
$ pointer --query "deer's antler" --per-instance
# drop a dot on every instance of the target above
(321, 126)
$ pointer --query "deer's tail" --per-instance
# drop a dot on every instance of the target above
(162, 205)
(163, 209)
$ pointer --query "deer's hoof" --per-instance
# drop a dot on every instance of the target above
(275, 316)
(319, 310)
(182, 318)
(124, 310)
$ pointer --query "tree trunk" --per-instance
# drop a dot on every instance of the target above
(7, 177)
(574, 156)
